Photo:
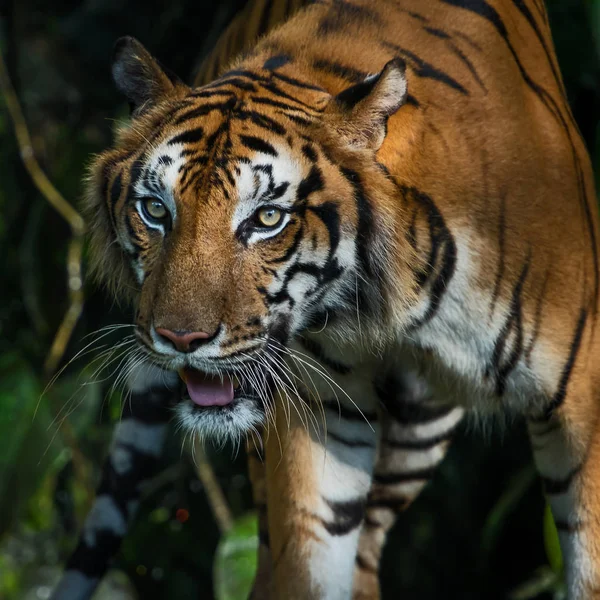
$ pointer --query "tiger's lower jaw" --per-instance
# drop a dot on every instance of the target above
(231, 422)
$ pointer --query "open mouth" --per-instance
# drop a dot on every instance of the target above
(206, 390)
(223, 407)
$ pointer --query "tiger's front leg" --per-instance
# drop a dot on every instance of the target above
(317, 487)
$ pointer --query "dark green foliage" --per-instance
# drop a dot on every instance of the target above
(477, 531)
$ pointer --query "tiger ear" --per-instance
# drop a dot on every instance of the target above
(363, 109)
(140, 77)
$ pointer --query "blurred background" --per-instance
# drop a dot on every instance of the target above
(477, 532)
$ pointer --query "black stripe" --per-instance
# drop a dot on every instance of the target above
(457, 51)
(568, 527)
(391, 392)
(309, 152)
(393, 503)
(441, 240)
(290, 251)
(559, 486)
(202, 93)
(364, 230)
(238, 73)
(191, 136)
(295, 118)
(239, 83)
(561, 391)
(262, 121)
(329, 215)
(340, 70)
(259, 145)
(312, 183)
(297, 82)
(277, 104)
(501, 252)
(437, 33)
(424, 69)
(416, 16)
(281, 94)
(527, 14)
(347, 516)
(514, 323)
(203, 110)
(467, 62)
(538, 318)
(420, 444)
(404, 477)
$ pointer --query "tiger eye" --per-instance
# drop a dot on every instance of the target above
(269, 216)
(155, 208)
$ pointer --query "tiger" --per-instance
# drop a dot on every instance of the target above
(349, 239)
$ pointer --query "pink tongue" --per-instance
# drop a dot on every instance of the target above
(208, 390)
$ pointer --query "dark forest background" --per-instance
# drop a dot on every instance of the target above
(478, 531)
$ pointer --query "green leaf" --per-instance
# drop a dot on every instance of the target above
(236, 560)
(32, 447)
(22, 454)
(551, 541)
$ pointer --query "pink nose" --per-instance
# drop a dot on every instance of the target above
(184, 341)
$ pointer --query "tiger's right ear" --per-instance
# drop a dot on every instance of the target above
(140, 77)
(359, 114)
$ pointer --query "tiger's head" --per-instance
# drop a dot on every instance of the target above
(237, 214)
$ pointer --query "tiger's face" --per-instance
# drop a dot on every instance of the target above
(232, 225)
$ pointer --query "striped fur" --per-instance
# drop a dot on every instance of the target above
(435, 251)
(254, 20)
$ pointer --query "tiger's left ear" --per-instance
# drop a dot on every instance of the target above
(140, 77)
(363, 109)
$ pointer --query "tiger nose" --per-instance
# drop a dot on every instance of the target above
(184, 341)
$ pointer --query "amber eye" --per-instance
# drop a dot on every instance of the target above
(269, 216)
(154, 209)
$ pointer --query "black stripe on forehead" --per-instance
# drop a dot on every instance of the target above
(257, 144)
(204, 109)
(262, 121)
(313, 182)
(190, 136)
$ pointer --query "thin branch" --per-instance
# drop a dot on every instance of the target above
(74, 257)
(64, 209)
(216, 497)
